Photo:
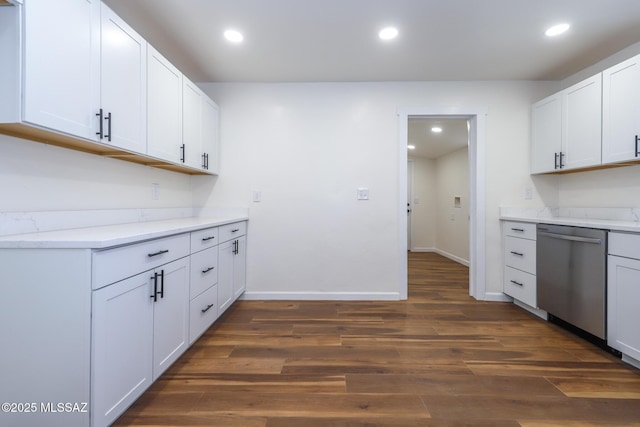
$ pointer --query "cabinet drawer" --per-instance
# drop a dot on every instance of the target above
(231, 231)
(520, 254)
(203, 312)
(520, 285)
(525, 230)
(204, 270)
(203, 239)
(112, 265)
(625, 245)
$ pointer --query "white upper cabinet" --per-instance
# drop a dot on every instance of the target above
(164, 108)
(582, 124)
(123, 84)
(192, 100)
(621, 111)
(210, 136)
(200, 128)
(546, 134)
(61, 80)
(566, 128)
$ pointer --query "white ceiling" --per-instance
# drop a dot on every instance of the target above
(336, 40)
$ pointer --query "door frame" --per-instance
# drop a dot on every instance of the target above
(477, 193)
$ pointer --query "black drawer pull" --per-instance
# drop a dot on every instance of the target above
(158, 253)
(204, 239)
(207, 270)
(235, 229)
(516, 283)
(204, 310)
(521, 230)
(517, 253)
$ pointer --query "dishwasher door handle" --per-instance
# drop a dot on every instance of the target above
(571, 238)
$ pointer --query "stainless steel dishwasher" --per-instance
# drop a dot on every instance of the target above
(571, 276)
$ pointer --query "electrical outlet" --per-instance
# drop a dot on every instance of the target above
(256, 196)
(155, 191)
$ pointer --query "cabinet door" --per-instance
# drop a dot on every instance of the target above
(225, 275)
(192, 99)
(582, 124)
(122, 342)
(620, 111)
(546, 133)
(164, 107)
(623, 296)
(211, 135)
(239, 267)
(62, 65)
(171, 315)
(124, 84)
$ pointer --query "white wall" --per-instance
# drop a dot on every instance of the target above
(453, 222)
(307, 147)
(425, 186)
(40, 177)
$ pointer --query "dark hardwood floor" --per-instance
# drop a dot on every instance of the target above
(438, 359)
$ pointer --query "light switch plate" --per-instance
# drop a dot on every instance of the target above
(363, 193)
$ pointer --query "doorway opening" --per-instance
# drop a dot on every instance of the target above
(476, 118)
(438, 186)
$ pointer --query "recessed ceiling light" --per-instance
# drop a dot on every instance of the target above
(557, 30)
(436, 129)
(233, 36)
(411, 147)
(388, 33)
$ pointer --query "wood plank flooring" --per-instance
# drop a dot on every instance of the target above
(438, 359)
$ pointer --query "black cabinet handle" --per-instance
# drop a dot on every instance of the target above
(516, 283)
(561, 158)
(158, 253)
(155, 287)
(521, 230)
(204, 239)
(183, 150)
(204, 310)
(205, 161)
(235, 230)
(108, 119)
(236, 247)
(517, 253)
(100, 133)
(207, 270)
(637, 152)
(555, 161)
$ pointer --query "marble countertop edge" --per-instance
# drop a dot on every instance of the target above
(107, 236)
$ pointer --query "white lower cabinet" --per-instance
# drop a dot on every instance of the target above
(171, 315)
(103, 324)
(623, 294)
(519, 257)
(140, 327)
(122, 347)
(232, 264)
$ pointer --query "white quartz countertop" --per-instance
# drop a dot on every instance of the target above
(619, 219)
(106, 236)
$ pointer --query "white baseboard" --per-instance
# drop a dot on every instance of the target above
(322, 296)
(536, 311)
(497, 297)
(444, 254)
(631, 361)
